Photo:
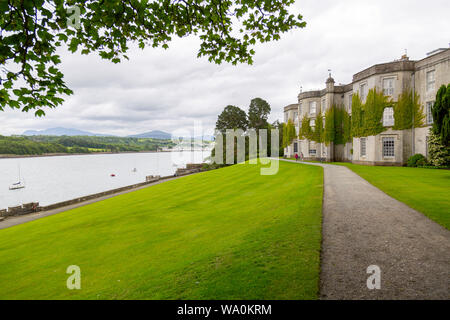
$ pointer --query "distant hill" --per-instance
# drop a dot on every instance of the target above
(155, 134)
(62, 132)
(59, 131)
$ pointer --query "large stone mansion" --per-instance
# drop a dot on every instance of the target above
(391, 147)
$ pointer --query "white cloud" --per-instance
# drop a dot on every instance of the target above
(170, 89)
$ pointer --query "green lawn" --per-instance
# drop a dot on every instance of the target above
(426, 190)
(223, 234)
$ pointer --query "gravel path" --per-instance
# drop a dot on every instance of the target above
(363, 226)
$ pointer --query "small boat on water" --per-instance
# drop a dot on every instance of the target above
(17, 185)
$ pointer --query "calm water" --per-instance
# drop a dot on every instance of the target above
(50, 180)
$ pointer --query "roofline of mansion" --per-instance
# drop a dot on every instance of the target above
(402, 65)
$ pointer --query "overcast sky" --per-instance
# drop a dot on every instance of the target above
(170, 89)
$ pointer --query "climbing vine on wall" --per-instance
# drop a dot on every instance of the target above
(407, 107)
(337, 125)
(365, 120)
(318, 133)
(289, 133)
(357, 116)
(330, 133)
(305, 131)
(373, 112)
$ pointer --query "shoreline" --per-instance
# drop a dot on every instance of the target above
(63, 206)
(19, 156)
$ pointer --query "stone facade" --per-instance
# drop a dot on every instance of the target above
(391, 147)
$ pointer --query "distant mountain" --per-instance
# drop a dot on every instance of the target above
(155, 134)
(62, 132)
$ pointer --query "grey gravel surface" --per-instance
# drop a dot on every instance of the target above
(363, 226)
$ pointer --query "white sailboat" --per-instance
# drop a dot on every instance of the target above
(18, 185)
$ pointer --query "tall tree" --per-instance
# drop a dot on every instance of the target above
(258, 113)
(441, 115)
(232, 118)
(32, 31)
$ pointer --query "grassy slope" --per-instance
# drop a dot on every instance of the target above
(224, 234)
(426, 190)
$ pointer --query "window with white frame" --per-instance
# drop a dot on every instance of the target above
(300, 107)
(295, 147)
(295, 117)
(363, 91)
(312, 148)
(312, 107)
(363, 144)
(388, 86)
(430, 80)
(324, 103)
(429, 112)
(286, 117)
(312, 123)
(388, 117)
(388, 147)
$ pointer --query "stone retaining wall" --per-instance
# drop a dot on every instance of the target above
(34, 206)
(183, 172)
(190, 169)
(20, 210)
(191, 166)
(149, 180)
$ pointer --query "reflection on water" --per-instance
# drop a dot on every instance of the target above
(50, 180)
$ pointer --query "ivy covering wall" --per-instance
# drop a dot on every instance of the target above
(407, 106)
(365, 120)
(318, 132)
(305, 131)
(337, 125)
(289, 133)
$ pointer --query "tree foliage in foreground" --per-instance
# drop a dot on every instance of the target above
(32, 31)
(441, 115)
(438, 153)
